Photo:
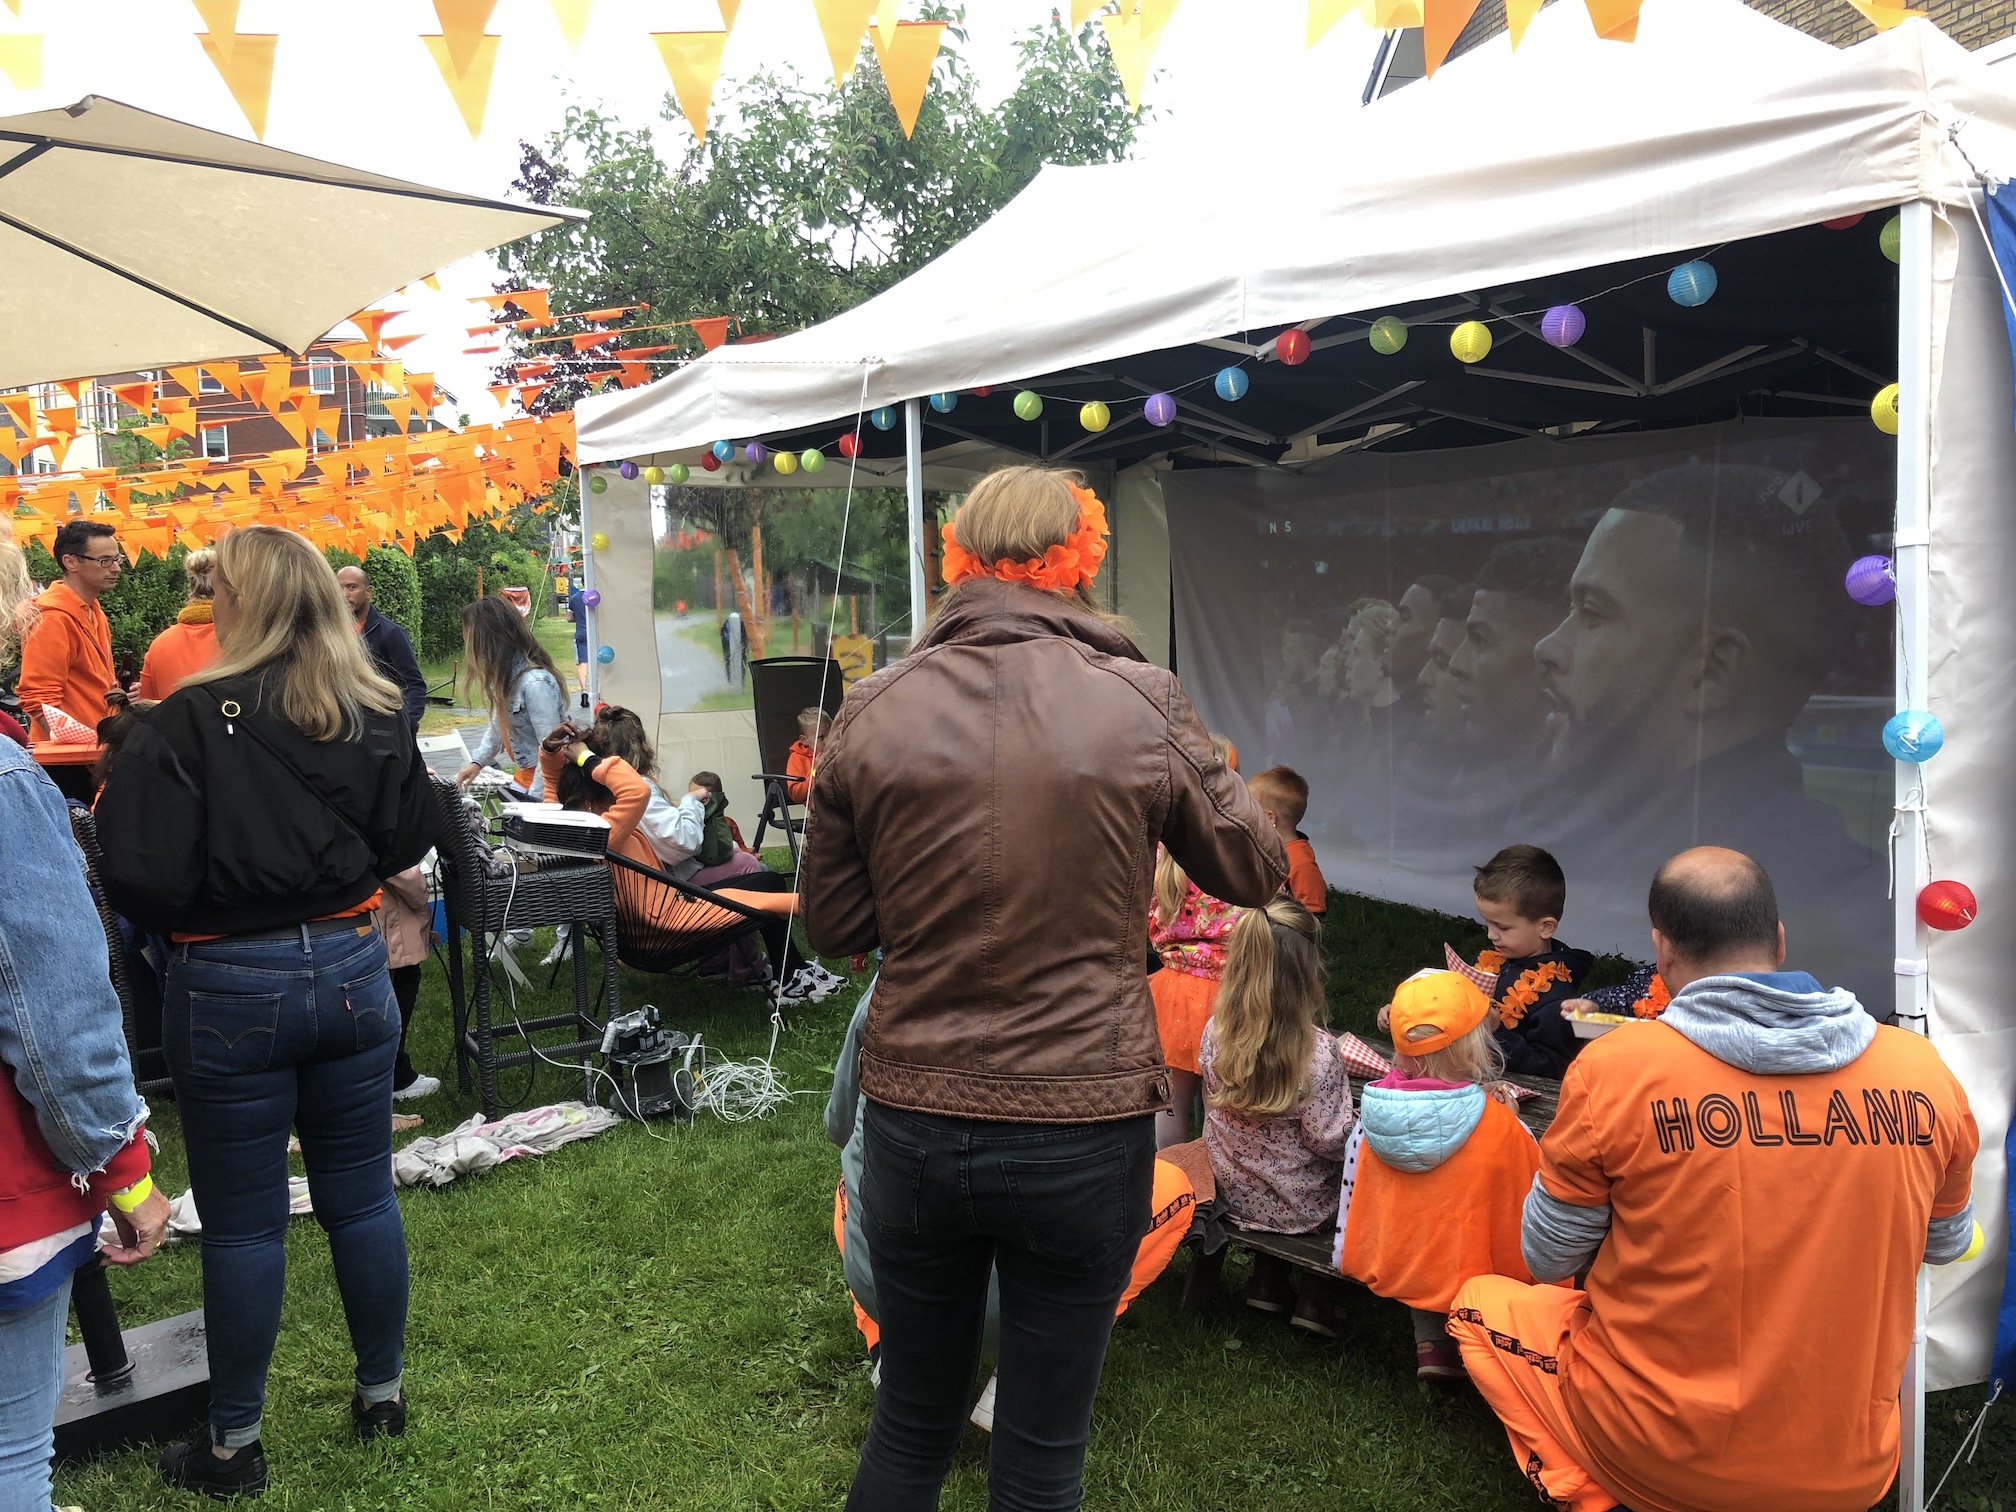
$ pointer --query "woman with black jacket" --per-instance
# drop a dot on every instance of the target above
(250, 818)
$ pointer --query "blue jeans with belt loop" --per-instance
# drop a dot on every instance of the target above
(264, 1036)
(1057, 1211)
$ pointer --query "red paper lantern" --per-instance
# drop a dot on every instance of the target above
(711, 462)
(1947, 905)
(1843, 223)
(983, 391)
(850, 445)
(1292, 346)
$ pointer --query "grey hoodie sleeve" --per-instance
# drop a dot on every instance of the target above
(1559, 1239)
(845, 1098)
(1946, 1239)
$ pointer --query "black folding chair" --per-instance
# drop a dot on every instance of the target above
(783, 687)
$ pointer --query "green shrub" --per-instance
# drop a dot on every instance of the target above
(150, 592)
(395, 587)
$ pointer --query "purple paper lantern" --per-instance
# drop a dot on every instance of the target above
(754, 451)
(628, 470)
(1872, 580)
(591, 597)
(1160, 409)
(1563, 325)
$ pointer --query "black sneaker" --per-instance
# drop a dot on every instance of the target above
(190, 1465)
(375, 1418)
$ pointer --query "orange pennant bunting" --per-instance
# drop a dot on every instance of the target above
(712, 330)
(1442, 24)
(843, 23)
(693, 59)
(1132, 43)
(573, 18)
(21, 59)
(1614, 20)
(400, 343)
(21, 410)
(906, 66)
(1519, 15)
(421, 387)
(462, 24)
(245, 62)
(729, 10)
(371, 322)
(469, 86)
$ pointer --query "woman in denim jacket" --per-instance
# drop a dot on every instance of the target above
(519, 682)
(71, 1125)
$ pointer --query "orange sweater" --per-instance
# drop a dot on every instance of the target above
(66, 659)
(187, 646)
(799, 765)
(1305, 878)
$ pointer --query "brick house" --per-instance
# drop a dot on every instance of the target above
(228, 426)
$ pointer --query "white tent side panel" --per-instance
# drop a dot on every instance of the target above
(1969, 786)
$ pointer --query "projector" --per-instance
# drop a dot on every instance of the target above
(546, 830)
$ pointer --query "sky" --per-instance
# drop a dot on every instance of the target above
(353, 84)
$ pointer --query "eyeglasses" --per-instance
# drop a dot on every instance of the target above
(117, 559)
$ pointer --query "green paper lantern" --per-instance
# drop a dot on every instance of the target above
(812, 459)
(1388, 335)
(1028, 405)
(597, 483)
(1892, 239)
(678, 472)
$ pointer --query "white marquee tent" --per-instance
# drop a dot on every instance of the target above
(1717, 125)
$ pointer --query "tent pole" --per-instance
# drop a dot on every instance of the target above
(913, 478)
(583, 494)
(1911, 554)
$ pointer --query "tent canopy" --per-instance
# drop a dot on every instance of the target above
(131, 241)
(1508, 182)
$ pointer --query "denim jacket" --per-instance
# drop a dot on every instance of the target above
(536, 704)
(62, 1041)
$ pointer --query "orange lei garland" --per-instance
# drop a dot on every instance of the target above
(1059, 570)
(1655, 1000)
(1520, 997)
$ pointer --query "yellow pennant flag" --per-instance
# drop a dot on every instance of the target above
(1519, 15)
(21, 59)
(220, 17)
(1081, 12)
(693, 59)
(1883, 14)
(1615, 20)
(729, 9)
(471, 86)
(1133, 47)
(1324, 14)
(842, 23)
(14, 6)
(906, 66)
(885, 22)
(462, 23)
(245, 62)
(573, 18)
(1443, 23)
(1397, 15)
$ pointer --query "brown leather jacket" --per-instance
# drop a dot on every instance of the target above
(987, 811)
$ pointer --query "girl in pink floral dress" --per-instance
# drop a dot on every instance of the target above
(1189, 930)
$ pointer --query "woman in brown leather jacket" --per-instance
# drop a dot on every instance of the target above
(986, 811)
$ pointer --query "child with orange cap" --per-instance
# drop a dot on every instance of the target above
(1436, 1178)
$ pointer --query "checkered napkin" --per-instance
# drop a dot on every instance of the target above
(1361, 1060)
(1487, 981)
(64, 730)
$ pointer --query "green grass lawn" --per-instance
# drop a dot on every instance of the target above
(656, 1319)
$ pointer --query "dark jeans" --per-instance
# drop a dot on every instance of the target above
(1057, 1210)
(775, 930)
(264, 1036)
(406, 989)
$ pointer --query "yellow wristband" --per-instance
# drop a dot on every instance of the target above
(584, 758)
(1975, 1246)
(134, 1195)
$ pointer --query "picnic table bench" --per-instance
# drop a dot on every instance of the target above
(1312, 1251)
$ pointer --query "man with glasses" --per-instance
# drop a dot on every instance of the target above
(66, 658)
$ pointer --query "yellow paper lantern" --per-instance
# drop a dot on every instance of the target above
(1883, 410)
(1470, 341)
(1095, 416)
(599, 541)
(654, 475)
(785, 462)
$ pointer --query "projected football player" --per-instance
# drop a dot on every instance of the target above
(1421, 613)
(1519, 596)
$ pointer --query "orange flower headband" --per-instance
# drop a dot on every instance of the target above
(1058, 570)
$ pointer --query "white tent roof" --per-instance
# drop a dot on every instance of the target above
(1716, 124)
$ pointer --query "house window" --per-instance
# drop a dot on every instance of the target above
(102, 409)
(322, 375)
(215, 442)
(205, 384)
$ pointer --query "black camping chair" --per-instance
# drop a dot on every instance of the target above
(782, 686)
(664, 925)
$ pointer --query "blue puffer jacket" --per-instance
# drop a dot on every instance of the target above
(1417, 1130)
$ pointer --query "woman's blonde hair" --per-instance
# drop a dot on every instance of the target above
(1263, 1026)
(1477, 1057)
(1016, 513)
(198, 567)
(17, 600)
(1172, 883)
(294, 633)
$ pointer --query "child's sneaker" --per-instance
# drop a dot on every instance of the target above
(191, 1466)
(811, 984)
(983, 1410)
(1316, 1308)
(1439, 1362)
(420, 1086)
(1269, 1290)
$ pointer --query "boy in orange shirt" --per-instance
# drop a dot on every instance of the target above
(1283, 796)
(802, 764)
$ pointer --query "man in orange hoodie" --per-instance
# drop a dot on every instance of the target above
(66, 658)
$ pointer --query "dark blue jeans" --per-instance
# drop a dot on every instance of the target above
(1057, 1210)
(264, 1037)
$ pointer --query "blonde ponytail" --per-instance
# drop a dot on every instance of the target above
(1172, 885)
(1263, 1026)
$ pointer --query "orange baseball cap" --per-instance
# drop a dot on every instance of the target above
(1444, 1001)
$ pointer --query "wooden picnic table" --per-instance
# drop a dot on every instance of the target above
(49, 753)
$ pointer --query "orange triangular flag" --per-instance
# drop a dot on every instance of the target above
(371, 322)
(1614, 20)
(1133, 48)
(885, 21)
(712, 330)
(1883, 14)
(906, 66)
(189, 379)
(421, 387)
(21, 410)
(842, 23)
(573, 18)
(729, 10)
(138, 396)
(471, 86)
(246, 63)
(693, 59)
(400, 343)
(399, 407)
(1519, 15)
(462, 23)
(1443, 23)
(220, 17)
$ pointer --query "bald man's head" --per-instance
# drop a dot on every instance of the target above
(1716, 909)
(356, 589)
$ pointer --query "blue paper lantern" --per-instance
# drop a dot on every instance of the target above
(944, 403)
(1913, 735)
(605, 654)
(1160, 409)
(724, 451)
(755, 451)
(1563, 325)
(1691, 284)
(883, 418)
(1231, 383)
